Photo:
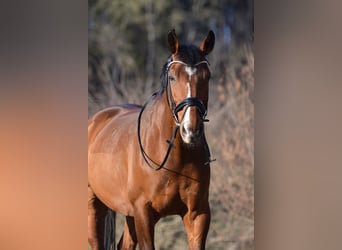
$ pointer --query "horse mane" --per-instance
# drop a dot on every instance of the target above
(163, 76)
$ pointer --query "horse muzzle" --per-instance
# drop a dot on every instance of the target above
(191, 124)
(189, 134)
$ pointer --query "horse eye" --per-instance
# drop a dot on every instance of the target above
(172, 78)
(207, 77)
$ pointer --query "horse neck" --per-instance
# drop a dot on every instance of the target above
(160, 126)
(157, 129)
(160, 118)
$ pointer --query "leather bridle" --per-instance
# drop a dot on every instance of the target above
(187, 102)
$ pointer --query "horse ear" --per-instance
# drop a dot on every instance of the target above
(173, 41)
(208, 43)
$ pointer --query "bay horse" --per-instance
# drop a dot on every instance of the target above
(153, 161)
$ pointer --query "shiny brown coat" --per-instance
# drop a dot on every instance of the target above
(119, 179)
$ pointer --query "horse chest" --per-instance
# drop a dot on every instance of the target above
(175, 195)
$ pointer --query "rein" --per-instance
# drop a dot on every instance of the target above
(187, 102)
(170, 142)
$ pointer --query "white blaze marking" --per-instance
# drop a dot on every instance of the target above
(189, 89)
(190, 71)
(187, 112)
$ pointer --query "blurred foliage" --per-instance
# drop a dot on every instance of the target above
(127, 49)
(127, 41)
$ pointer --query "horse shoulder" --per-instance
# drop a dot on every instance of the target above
(103, 117)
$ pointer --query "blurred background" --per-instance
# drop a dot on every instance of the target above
(126, 51)
(298, 139)
(43, 143)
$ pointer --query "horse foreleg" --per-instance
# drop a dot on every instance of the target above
(145, 221)
(96, 215)
(128, 239)
(197, 226)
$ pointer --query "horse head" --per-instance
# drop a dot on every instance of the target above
(187, 87)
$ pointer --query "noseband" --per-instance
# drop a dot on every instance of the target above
(185, 103)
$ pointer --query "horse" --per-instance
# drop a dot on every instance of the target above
(151, 161)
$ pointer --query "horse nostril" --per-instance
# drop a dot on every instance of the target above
(187, 130)
(184, 130)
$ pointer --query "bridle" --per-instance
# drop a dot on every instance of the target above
(185, 103)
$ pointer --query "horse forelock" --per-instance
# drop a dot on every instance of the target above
(189, 54)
